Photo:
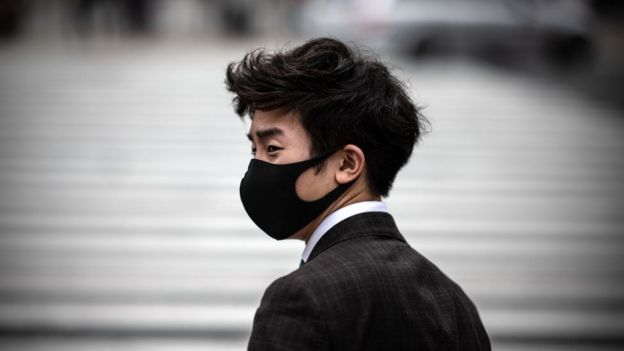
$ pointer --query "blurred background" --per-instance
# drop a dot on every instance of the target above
(120, 159)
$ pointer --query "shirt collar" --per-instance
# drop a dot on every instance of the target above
(338, 216)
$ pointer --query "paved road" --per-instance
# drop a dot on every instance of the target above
(121, 228)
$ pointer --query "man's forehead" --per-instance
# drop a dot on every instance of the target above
(273, 123)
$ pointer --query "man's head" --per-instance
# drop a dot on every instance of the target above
(339, 97)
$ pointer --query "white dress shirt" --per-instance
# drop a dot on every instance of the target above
(338, 216)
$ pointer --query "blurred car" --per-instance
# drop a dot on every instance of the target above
(558, 31)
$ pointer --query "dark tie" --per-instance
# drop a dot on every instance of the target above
(301, 263)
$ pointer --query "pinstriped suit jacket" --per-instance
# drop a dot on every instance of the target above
(365, 288)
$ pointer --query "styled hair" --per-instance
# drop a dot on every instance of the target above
(340, 97)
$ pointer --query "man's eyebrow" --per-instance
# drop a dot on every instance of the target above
(265, 133)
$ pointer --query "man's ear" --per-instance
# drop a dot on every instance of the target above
(352, 164)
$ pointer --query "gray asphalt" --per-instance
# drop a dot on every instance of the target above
(121, 227)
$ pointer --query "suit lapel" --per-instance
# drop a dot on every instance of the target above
(360, 225)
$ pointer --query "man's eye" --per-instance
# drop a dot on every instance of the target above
(272, 149)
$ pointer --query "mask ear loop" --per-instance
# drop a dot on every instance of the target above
(320, 159)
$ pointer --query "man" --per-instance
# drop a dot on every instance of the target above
(330, 130)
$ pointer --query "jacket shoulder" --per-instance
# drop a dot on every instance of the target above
(288, 318)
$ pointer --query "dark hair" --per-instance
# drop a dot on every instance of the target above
(340, 96)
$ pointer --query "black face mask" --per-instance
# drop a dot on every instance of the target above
(268, 192)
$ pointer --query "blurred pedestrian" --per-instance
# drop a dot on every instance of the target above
(12, 15)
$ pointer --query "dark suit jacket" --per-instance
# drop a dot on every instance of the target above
(365, 288)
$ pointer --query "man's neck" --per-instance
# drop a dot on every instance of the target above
(348, 198)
